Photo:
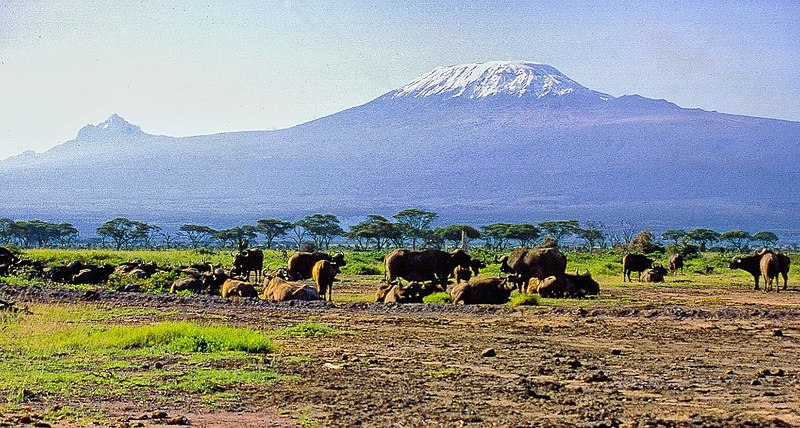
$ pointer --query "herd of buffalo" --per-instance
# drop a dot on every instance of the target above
(539, 270)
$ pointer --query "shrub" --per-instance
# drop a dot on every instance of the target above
(361, 268)
(440, 297)
(524, 299)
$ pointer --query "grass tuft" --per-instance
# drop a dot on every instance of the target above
(524, 299)
(440, 297)
(309, 329)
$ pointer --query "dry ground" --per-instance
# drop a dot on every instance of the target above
(674, 355)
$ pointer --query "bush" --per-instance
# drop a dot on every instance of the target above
(524, 299)
(361, 268)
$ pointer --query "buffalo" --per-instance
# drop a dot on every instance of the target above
(537, 263)
(423, 265)
(301, 264)
(635, 263)
(566, 285)
(277, 288)
(324, 272)
(462, 274)
(655, 274)
(770, 268)
(250, 260)
(675, 262)
(784, 262)
(749, 264)
(495, 291)
(413, 292)
(235, 287)
(91, 274)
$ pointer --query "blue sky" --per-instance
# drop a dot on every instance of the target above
(191, 68)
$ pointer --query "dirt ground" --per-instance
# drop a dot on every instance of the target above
(675, 355)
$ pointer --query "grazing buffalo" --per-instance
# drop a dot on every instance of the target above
(423, 265)
(675, 262)
(476, 265)
(301, 264)
(770, 268)
(537, 263)
(567, 285)
(413, 292)
(635, 263)
(250, 260)
(323, 273)
(493, 291)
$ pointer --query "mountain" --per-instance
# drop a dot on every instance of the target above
(497, 141)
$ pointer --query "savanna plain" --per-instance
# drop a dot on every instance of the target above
(701, 349)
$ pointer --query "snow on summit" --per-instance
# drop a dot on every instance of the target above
(482, 80)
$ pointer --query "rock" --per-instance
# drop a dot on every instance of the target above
(574, 363)
(159, 365)
(779, 372)
(178, 420)
(42, 424)
(770, 394)
(729, 372)
(764, 373)
(159, 415)
(755, 382)
(777, 333)
(488, 352)
(616, 351)
(332, 366)
(598, 376)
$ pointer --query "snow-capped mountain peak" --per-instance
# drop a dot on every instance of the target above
(115, 127)
(482, 80)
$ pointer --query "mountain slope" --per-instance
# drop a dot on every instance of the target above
(478, 142)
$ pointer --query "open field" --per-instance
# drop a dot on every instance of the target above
(699, 350)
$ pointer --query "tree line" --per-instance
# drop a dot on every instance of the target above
(407, 228)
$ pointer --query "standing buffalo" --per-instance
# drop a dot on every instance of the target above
(301, 264)
(530, 263)
(783, 263)
(250, 260)
(675, 263)
(635, 263)
(424, 265)
(770, 268)
(749, 264)
(324, 272)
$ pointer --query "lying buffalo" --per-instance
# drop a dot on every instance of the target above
(495, 291)
(635, 263)
(537, 263)
(566, 285)
(413, 292)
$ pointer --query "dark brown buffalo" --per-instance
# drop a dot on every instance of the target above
(635, 263)
(91, 274)
(424, 265)
(491, 291)
(324, 273)
(537, 263)
(462, 274)
(7, 257)
(567, 285)
(655, 274)
(784, 262)
(675, 263)
(749, 264)
(250, 260)
(413, 292)
(301, 264)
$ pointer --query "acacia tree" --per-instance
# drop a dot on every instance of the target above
(6, 230)
(238, 237)
(496, 235)
(144, 233)
(524, 233)
(272, 228)
(417, 223)
(196, 233)
(593, 233)
(739, 239)
(322, 228)
(375, 227)
(454, 232)
(766, 238)
(703, 237)
(120, 230)
(559, 229)
(674, 235)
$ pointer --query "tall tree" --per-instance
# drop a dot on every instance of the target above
(417, 222)
(120, 230)
(272, 228)
(453, 233)
(66, 234)
(196, 234)
(496, 235)
(739, 239)
(144, 233)
(674, 235)
(559, 229)
(375, 227)
(238, 237)
(593, 233)
(322, 228)
(703, 237)
(766, 238)
(524, 233)
(6, 230)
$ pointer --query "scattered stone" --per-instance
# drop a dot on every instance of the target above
(42, 424)
(332, 366)
(488, 352)
(574, 363)
(159, 365)
(770, 394)
(159, 415)
(178, 420)
(616, 351)
(25, 419)
(755, 382)
(598, 376)
(779, 372)
(777, 332)
(764, 373)
(730, 372)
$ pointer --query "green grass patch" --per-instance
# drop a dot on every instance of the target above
(524, 299)
(443, 373)
(440, 297)
(309, 329)
(205, 381)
